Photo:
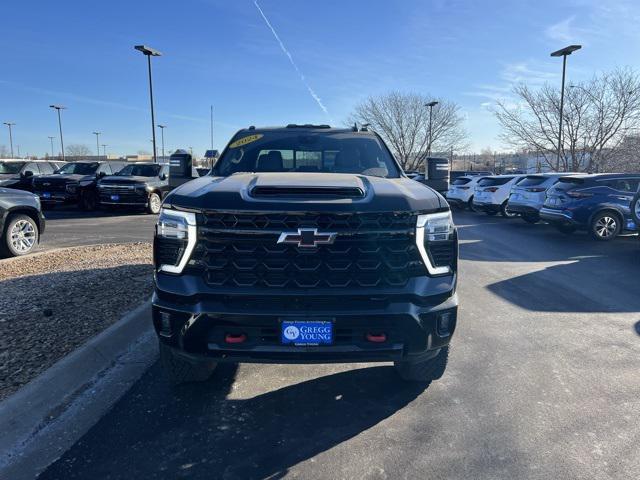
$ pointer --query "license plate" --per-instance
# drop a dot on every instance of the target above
(46, 195)
(304, 332)
(553, 202)
(115, 198)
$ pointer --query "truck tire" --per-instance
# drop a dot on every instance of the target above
(88, 201)
(180, 370)
(154, 203)
(20, 236)
(425, 370)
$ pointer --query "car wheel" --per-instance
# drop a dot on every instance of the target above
(180, 370)
(504, 210)
(564, 228)
(88, 201)
(605, 226)
(425, 370)
(530, 218)
(20, 236)
(154, 203)
(635, 209)
(472, 207)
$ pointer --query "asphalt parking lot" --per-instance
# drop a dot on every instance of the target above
(542, 383)
(70, 227)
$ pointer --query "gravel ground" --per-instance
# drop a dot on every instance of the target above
(52, 302)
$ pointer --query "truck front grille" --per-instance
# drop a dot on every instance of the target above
(370, 250)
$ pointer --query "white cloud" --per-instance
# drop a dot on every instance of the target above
(563, 31)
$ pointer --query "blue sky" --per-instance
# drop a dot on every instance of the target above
(80, 54)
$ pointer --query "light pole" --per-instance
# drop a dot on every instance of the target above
(10, 124)
(97, 134)
(430, 105)
(104, 151)
(51, 140)
(564, 52)
(162, 127)
(150, 52)
(58, 108)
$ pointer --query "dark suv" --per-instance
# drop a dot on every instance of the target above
(74, 182)
(305, 244)
(19, 174)
(141, 185)
(598, 203)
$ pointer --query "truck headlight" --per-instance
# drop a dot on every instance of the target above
(436, 242)
(175, 240)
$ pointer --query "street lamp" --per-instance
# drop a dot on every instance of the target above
(10, 124)
(97, 134)
(430, 105)
(564, 52)
(150, 52)
(58, 108)
(162, 127)
(51, 140)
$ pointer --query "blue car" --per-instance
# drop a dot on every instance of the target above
(597, 203)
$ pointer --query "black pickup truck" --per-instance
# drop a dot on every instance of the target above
(305, 244)
(139, 185)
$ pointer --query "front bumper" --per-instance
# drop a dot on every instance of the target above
(197, 327)
(129, 199)
(57, 197)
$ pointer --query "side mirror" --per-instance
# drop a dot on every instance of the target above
(102, 174)
(163, 176)
(27, 174)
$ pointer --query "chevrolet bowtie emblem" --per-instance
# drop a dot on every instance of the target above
(307, 237)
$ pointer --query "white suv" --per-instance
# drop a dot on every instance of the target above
(492, 194)
(460, 193)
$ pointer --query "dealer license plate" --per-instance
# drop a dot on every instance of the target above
(305, 332)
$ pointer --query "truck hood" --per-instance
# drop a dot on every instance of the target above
(305, 192)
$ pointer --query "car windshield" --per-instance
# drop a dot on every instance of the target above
(140, 170)
(78, 169)
(531, 181)
(11, 167)
(328, 152)
(494, 181)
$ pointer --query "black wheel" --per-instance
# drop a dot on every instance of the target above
(20, 236)
(504, 211)
(564, 228)
(180, 370)
(88, 201)
(471, 206)
(426, 370)
(605, 226)
(530, 218)
(155, 202)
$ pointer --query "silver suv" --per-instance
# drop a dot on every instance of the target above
(528, 195)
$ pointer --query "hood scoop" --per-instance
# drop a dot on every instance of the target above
(307, 191)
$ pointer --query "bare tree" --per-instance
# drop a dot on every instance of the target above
(78, 150)
(402, 119)
(597, 116)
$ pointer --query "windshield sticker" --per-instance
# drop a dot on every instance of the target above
(245, 140)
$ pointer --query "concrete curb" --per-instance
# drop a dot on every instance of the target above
(49, 414)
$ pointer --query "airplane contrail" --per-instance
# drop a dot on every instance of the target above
(313, 94)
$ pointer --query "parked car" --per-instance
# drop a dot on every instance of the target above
(528, 195)
(492, 194)
(74, 183)
(21, 222)
(461, 190)
(141, 185)
(281, 256)
(600, 204)
(19, 174)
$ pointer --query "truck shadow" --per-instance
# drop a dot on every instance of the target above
(198, 432)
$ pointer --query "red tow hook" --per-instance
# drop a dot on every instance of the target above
(377, 337)
(235, 338)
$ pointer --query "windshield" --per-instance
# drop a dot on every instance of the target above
(140, 170)
(78, 169)
(11, 167)
(328, 152)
